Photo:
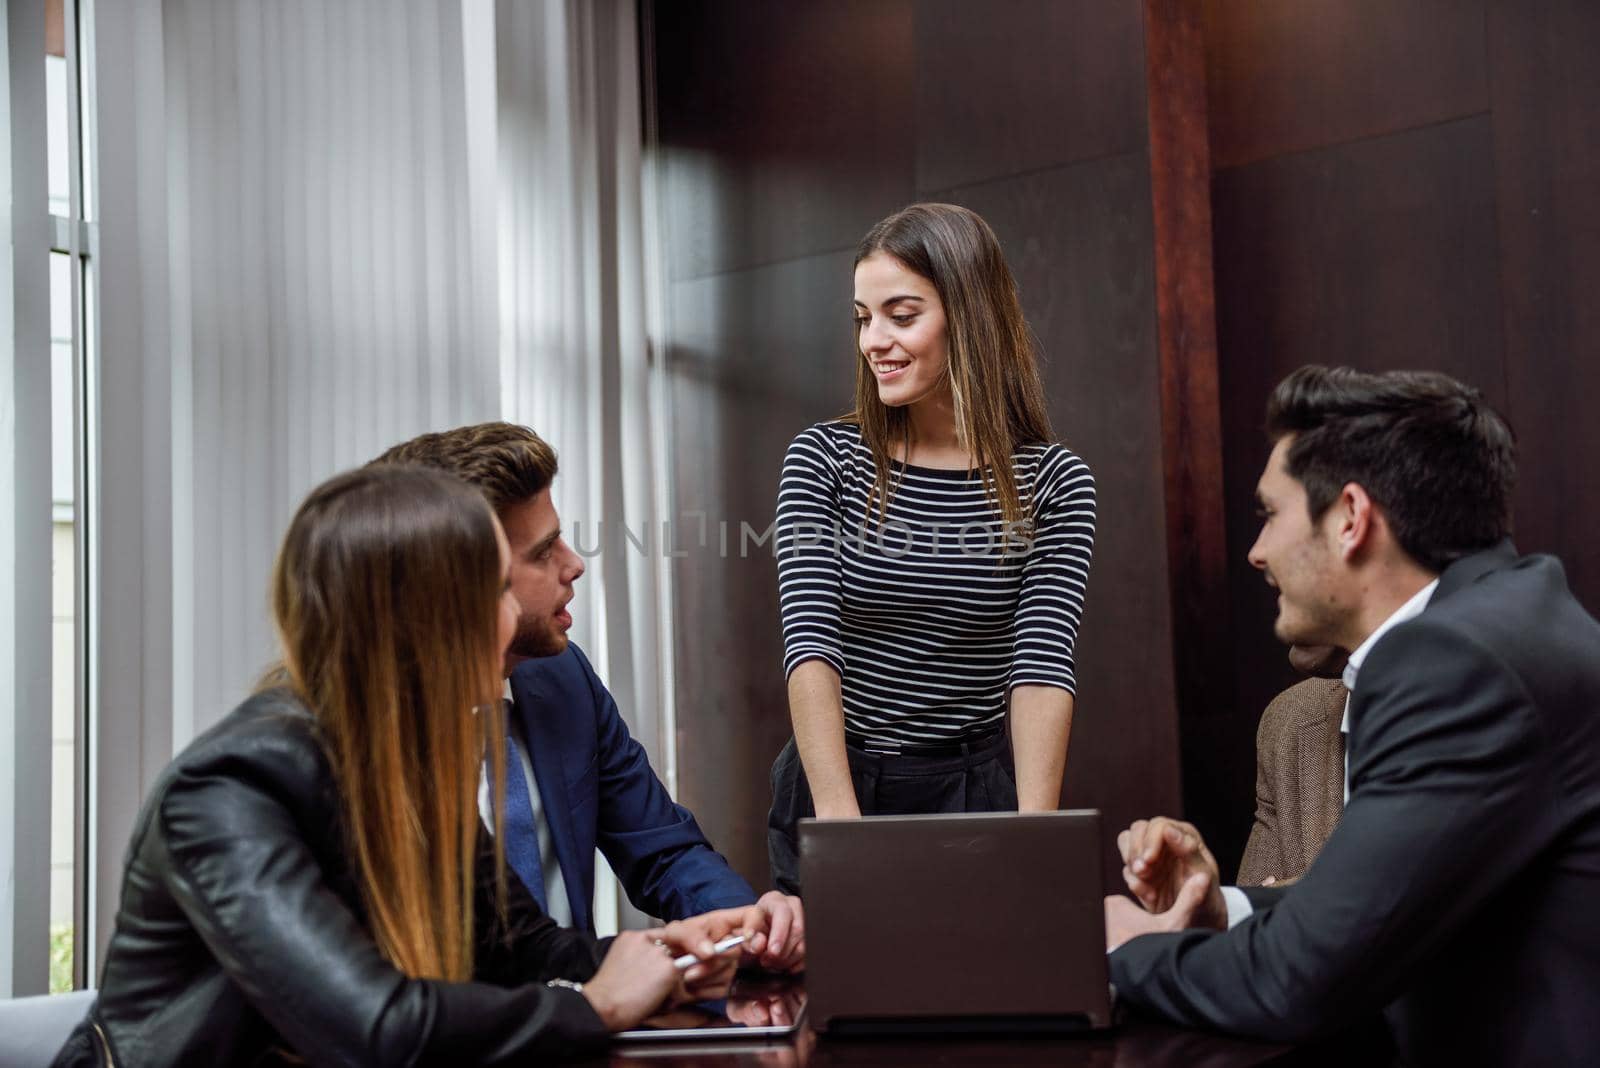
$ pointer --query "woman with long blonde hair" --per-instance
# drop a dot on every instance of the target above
(308, 881)
(933, 552)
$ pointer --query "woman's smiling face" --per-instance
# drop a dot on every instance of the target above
(900, 328)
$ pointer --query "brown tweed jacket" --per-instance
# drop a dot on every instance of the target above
(1299, 782)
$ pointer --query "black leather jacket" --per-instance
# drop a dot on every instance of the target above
(241, 936)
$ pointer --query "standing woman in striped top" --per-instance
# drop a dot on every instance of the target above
(933, 552)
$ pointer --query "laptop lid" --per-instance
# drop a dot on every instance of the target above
(943, 921)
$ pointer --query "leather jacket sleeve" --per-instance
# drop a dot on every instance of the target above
(242, 873)
(525, 945)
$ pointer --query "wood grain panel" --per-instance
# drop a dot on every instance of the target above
(1005, 89)
(1546, 86)
(784, 131)
(1197, 552)
(1284, 77)
(758, 356)
(1079, 241)
(1379, 254)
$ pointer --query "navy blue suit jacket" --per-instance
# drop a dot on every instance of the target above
(597, 788)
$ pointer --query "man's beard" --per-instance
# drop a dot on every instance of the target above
(538, 637)
(1310, 623)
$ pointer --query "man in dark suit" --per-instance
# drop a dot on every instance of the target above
(1458, 892)
(575, 777)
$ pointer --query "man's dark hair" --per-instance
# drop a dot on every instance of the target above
(1427, 449)
(509, 464)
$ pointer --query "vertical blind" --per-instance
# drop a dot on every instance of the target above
(331, 289)
(575, 324)
(327, 227)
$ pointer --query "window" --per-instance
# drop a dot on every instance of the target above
(70, 383)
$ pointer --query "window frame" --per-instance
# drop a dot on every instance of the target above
(25, 531)
(77, 236)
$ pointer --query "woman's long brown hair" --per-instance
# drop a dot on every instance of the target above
(994, 368)
(386, 596)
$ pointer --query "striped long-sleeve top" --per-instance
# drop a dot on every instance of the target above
(932, 614)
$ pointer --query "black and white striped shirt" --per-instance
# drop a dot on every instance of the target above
(927, 618)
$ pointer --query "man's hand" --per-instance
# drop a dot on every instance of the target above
(1159, 857)
(713, 975)
(783, 947)
(1125, 920)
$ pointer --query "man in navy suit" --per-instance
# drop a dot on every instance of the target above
(1457, 893)
(575, 777)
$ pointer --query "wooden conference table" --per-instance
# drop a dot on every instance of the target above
(1135, 1041)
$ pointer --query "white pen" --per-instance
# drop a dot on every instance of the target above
(689, 960)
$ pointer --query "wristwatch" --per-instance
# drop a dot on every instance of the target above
(564, 984)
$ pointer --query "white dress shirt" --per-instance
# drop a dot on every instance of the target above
(555, 888)
(1238, 903)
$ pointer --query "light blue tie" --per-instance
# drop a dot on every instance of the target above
(521, 833)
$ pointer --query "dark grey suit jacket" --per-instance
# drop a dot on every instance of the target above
(1459, 893)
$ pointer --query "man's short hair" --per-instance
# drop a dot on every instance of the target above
(1426, 448)
(510, 464)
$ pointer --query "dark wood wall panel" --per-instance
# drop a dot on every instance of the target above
(1395, 183)
(1377, 254)
(757, 356)
(1290, 76)
(1545, 66)
(1079, 241)
(1023, 86)
(1197, 536)
(1408, 237)
(784, 131)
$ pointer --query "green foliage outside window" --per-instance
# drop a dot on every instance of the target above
(61, 958)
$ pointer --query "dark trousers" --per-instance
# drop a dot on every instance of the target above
(976, 776)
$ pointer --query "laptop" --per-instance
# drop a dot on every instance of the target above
(979, 922)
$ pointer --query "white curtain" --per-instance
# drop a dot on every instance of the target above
(297, 269)
(327, 226)
(331, 287)
(576, 316)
